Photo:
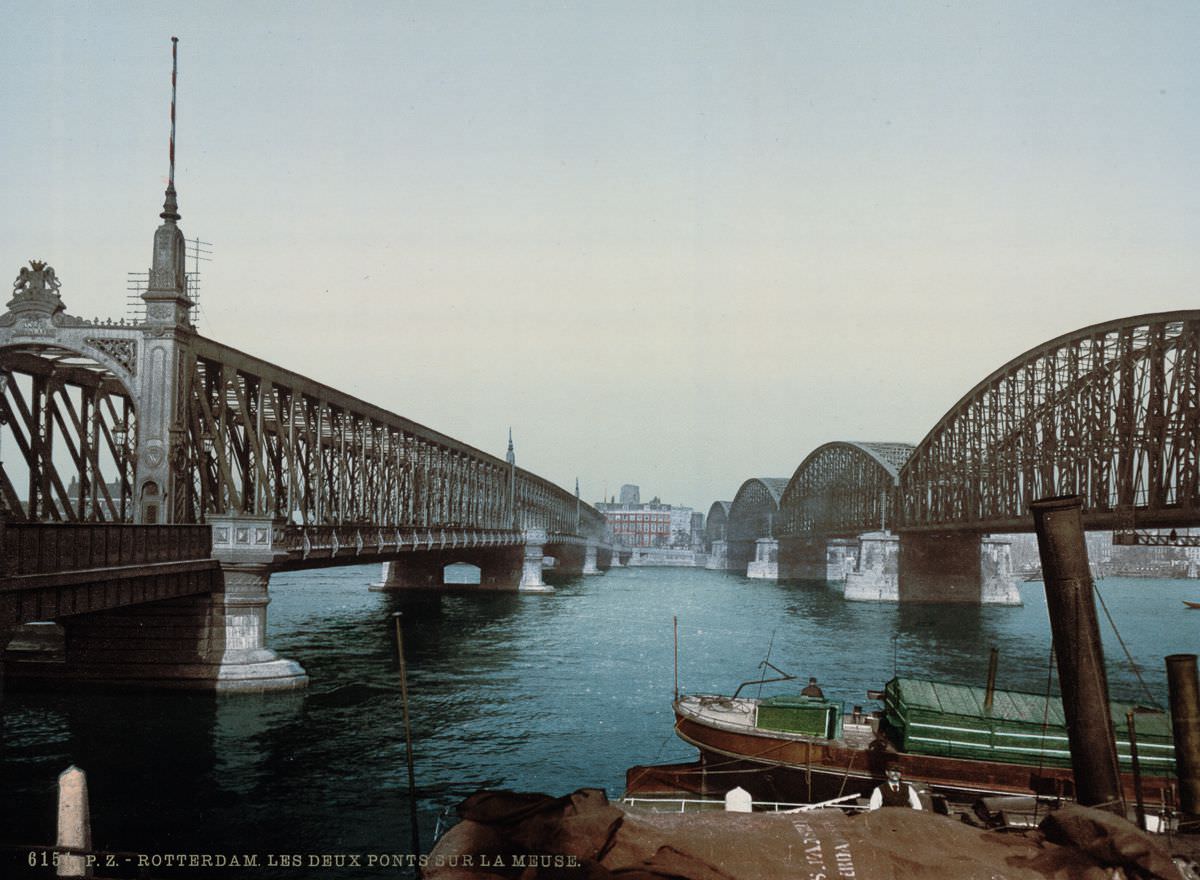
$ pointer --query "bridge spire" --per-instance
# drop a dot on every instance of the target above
(511, 457)
(166, 298)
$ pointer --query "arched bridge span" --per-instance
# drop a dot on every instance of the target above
(753, 514)
(842, 489)
(716, 523)
(1110, 412)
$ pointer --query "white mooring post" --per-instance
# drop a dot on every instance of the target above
(74, 822)
(738, 800)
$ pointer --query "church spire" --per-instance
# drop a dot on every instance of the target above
(511, 458)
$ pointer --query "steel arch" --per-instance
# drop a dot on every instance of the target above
(1110, 412)
(716, 523)
(754, 511)
(842, 489)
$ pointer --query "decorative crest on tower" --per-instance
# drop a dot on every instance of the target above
(512, 456)
(35, 291)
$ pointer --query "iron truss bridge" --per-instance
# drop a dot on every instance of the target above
(1110, 412)
(149, 422)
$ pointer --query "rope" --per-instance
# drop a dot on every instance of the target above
(1045, 726)
(1128, 656)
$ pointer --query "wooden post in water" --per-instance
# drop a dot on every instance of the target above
(408, 750)
(990, 694)
(1184, 690)
(1081, 674)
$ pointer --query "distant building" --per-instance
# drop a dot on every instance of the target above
(649, 525)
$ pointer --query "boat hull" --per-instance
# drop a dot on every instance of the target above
(798, 769)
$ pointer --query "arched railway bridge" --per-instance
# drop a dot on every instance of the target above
(753, 514)
(116, 430)
(1110, 412)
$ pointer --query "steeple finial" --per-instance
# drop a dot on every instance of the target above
(166, 298)
(170, 210)
(512, 456)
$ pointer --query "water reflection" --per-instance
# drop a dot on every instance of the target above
(538, 692)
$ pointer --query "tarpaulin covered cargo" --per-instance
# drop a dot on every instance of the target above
(505, 835)
(950, 720)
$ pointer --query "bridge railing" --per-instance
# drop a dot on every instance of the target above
(43, 548)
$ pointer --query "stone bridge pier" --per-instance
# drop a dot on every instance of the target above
(933, 567)
(802, 559)
(718, 556)
(956, 567)
(500, 568)
(765, 564)
(516, 566)
(213, 641)
(161, 615)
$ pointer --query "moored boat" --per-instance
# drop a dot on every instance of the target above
(951, 739)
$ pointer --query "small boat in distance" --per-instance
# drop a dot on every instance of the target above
(959, 742)
(1191, 604)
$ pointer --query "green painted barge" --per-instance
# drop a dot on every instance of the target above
(947, 737)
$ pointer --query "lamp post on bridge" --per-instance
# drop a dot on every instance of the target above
(124, 441)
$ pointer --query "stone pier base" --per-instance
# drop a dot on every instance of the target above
(841, 558)
(531, 564)
(955, 567)
(876, 579)
(718, 558)
(998, 584)
(500, 568)
(589, 559)
(210, 642)
(802, 559)
(765, 564)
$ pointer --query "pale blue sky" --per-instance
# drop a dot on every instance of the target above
(676, 244)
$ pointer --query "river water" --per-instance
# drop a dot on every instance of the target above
(533, 692)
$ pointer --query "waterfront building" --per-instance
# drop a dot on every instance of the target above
(654, 524)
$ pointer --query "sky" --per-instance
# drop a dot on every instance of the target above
(677, 244)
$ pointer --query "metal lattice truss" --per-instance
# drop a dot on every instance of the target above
(754, 512)
(63, 416)
(111, 421)
(842, 489)
(1110, 412)
(264, 441)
